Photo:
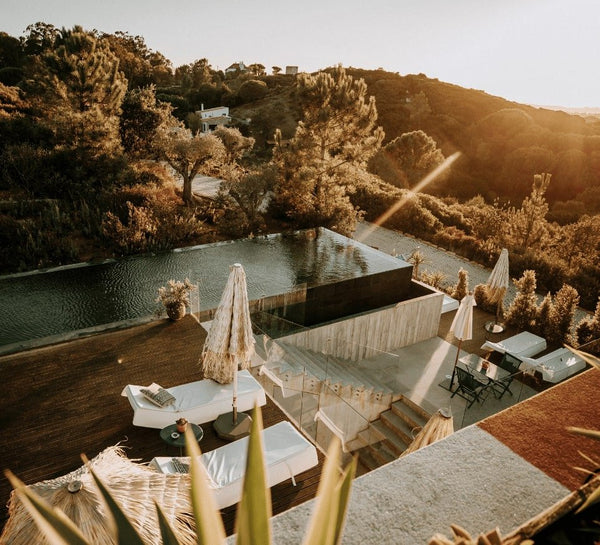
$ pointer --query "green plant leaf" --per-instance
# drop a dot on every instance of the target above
(593, 434)
(254, 511)
(591, 500)
(166, 532)
(324, 519)
(344, 498)
(125, 531)
(52, 522)
(209, 524)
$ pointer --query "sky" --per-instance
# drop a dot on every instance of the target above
(541, 52)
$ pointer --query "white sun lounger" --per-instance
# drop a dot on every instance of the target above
(198, 402)
(287, 453)
(524, 344)
(557, 365)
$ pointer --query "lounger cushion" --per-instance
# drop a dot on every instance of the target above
(287, 453)
(197, 402)
(158, 395)
(524, 344)
(557, 365)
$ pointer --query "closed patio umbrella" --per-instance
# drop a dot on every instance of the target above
(439, 426)
(462, 326)
(497, 285)
(229, 345)
(134, 486)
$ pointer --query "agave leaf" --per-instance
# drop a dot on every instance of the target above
(209, 524)
(588, 358)
(344, 498)
(52, 522)
(166, 532)
(593, 434)
(325, 515)
(126, 533)
(254, 511)
(591, 499)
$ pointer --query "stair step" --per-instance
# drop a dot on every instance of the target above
(396, 442)
(415, 408)
(383, 452)
(399, 426)
(367, 459)
(412, 418)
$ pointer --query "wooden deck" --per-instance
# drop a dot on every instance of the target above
(64, 400)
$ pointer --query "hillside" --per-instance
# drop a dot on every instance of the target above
(503, 143)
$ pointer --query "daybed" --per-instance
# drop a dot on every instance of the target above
(287, 453)
(557, 365)
(198, 402)
(524, 344)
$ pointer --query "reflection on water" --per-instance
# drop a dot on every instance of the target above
(41, 304)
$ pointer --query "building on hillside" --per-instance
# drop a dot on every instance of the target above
(291, 70)
(236, 67)
(211, 118)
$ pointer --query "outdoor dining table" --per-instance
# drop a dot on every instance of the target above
(484, 371)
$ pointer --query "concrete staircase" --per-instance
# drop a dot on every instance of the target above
(389, 436)
(390, 421)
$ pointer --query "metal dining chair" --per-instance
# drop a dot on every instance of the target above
(511, 364)
(469, 388)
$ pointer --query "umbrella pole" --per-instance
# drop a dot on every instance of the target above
(235, 384)
(455, 362)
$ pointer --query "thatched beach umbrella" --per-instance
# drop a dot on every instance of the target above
(497, 284)
(134, 486)
(440, 425)
(462, 326)
(229, 345)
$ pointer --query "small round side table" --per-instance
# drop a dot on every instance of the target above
(173, 438)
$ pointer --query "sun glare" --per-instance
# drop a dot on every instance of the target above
(401, 202)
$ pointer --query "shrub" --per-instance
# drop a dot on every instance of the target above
(565, 304)
(252, 90)
(588, 329)
(434, 279)
(523, 310)
(456, 240)
(461, 288)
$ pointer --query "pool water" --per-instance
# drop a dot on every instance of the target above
(41, 304)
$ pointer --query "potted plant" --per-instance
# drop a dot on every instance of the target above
(175, 297)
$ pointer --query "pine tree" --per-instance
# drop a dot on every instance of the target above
(543, 318)
(565, 304)
(336, 136)
(588, 330)
(78, 88)
(141, 118)
(522, 311)
(528, 225)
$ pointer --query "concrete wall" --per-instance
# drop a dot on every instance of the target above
(365, 335)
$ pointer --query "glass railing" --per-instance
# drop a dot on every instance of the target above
(329, 386)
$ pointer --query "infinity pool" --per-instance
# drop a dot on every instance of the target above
(42, 304)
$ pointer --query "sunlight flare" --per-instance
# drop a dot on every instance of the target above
(400, 202)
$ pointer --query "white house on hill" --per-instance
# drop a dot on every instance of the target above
(211, 118)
